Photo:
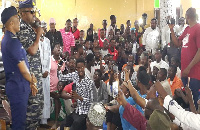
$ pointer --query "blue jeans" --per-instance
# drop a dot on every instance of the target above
(194, 86)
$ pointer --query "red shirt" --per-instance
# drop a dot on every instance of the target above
(101, 41)
(190, 45)
(68, 89)
(115, 53)
(76, 34)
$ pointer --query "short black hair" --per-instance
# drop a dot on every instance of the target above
(142, 68)
(143, 77)
(191, 13)
(182, 18)
(112, 17)
(112, 39)
(99, 71)
(154, 19)
(82, 31)
(128, 21)
(72, 58)
(164, 71)
(176, 59)
(80, 60)
(69, 20)
(53, 46)
(89, 57)
(64, 83)
(174, 68)
(144, 15)
(106, 56)
(117, 30)
(104, 20)
(102, 29)
(75, 19)
(78, 46)
(87, 41)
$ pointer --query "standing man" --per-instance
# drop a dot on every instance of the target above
(181, 26)
(19, 82)
(113, 25)
(102, 37)
(75, 30)
(112, 49)
(104, 23)
(53, 35)
(190, 52)
(45, 55)
(30, 42)
(151, 37)
(68, 38)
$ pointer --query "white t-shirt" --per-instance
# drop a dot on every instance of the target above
(151, 39)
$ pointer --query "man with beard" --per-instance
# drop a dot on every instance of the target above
(30, 41)
(190, 52)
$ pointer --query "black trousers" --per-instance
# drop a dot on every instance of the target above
(74, 121)
(114, 118)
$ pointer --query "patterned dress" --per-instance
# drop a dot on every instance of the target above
(27, 37)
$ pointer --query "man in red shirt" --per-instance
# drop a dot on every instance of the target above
(112, 49)
(102, 37)
(190, 53)
(74, 29)
(104, 23)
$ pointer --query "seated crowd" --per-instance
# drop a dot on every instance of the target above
(123, 79)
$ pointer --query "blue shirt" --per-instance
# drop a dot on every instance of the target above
(12, 54)
(125, 124)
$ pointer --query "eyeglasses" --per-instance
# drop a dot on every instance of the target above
(31, 11)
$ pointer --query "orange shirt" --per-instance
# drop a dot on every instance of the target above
(177, 83)
(126, 65)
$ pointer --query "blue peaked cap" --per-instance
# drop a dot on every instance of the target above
(7, 13)
(26, 4)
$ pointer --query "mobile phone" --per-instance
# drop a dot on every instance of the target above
(74, 87)
(157, 94)
(115, 88)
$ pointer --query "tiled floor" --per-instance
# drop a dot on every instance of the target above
(50, 123)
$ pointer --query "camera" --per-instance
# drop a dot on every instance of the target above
(171, 21)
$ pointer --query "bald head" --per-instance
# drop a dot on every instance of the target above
(152, 105)
(191, 14)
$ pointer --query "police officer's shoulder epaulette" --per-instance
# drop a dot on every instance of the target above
(13, 36)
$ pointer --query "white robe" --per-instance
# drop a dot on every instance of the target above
(45, 54)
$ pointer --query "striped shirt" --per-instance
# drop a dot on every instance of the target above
(68, 40)
(84, 88)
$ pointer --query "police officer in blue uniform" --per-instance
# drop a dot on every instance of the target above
(19, 82)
